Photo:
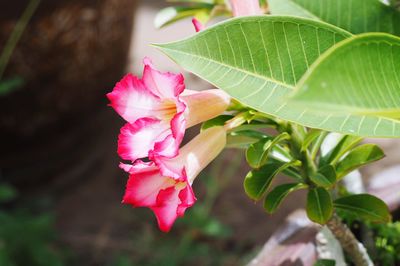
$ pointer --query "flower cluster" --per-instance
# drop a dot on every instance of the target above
(158, 109)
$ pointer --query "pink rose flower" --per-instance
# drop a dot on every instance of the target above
(158, 111)
(165, 184)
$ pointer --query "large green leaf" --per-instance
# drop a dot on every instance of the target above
(319, 205)
(359, 77)
(258, 61)
(258, 181)
(356, 16)
(365, 206)
(358, 157)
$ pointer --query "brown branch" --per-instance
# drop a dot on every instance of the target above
(354, 249)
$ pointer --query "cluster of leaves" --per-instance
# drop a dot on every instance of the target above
(317, 65)
(387, 243)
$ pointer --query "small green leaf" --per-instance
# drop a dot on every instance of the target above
(310, 137)
(358, 157)
(257, 153)
(345, 144)
(244, 138)
(325, 262)
(258, 181)
(366, 206)
(325, 177)
(171, 14)
(278, 194)
(216, 121)
(319, 205)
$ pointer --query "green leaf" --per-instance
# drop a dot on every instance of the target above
(258, 181)
(325, 177)
(258, 61)
(170, 15)
(356, 16)
(319, 205)
(310, 137)
(257, 153)
(358, 157)
(346, 143)
(325, 262)
(216, 121)
(278, 194)
(360, 79)
(244, 138)
(366, 206)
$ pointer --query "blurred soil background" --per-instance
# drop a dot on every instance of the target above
(58, 149)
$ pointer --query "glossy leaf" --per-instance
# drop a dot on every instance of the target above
(366, 206)
(356, 16)
(325, 177)
(258, 60)
(258, 181)
(312, 135)
(346, 143)
(257, 153)
(319, 205)
(358, 78)
(278, 194)
(216, 121)
(358, 157)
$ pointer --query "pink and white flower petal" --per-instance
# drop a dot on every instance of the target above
(144, 186)
(132, 100)
(187, 198)
(137, 139)
(164, 85)
(172, 203)
(166, 210)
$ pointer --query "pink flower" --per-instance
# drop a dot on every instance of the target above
(245, 7)
(158, 112)
(198, 26)
(165, 185)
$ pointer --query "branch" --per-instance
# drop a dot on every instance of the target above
(349, 243)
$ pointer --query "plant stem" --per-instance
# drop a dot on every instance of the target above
(354, 249)
(16, 34)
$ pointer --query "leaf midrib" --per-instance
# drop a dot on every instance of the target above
(247, 72)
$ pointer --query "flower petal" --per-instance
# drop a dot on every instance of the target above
(169, 147)
(137, 139)
(164, 85)
(132, 100)
(187, 198)
(143, 187)
(167, 209)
